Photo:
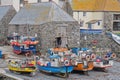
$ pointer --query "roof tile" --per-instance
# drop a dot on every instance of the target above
(95, 5)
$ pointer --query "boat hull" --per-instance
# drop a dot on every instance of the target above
(104, 64)
(18, 69)
(50, 69)
(81, 67)
(22, 49)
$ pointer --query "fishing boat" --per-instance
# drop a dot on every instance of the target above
(24, 45)
(105, 61)
(22, 66)
(82, 60)
(116, 38)
(53, 64)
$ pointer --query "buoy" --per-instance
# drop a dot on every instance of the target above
(93, 56)
(87, 57)
(73, 61)
(66, 63)
(113, 55)
(37, 57)
(105, 57)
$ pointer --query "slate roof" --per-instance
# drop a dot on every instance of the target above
(95, 5)
(40, 13)
(3, 11)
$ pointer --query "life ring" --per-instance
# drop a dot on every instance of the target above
(37, 57)
(66, 63)
(106, 57)
(73, 61)
(9, 61)
(93, 56)
(113, 55)
(87, 57)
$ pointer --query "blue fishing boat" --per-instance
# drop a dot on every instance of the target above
(24, 45)
(55, 65)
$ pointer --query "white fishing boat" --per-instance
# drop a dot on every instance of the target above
(116, 38)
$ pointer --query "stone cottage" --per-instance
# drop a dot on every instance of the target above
(6, 14)
(49, 22)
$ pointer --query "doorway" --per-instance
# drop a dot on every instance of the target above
(61, 38)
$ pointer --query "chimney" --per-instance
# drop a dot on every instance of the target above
(56, 1)
(39, 1)
(50, 0)
(25, 2)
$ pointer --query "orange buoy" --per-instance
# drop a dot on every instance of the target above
(113, 55)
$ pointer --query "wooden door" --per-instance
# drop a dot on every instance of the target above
(61, 32)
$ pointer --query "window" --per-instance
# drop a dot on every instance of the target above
(81, 23)
(21, 1)
(116, 16)
(84, 13)
(116, 26)
(89, 26)
(98, 23)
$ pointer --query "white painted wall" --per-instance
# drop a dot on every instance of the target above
(89, 16)
(32, 1)
(15, 3)
(96, 26)
(44, 0)
(6, 2)
(56, 1)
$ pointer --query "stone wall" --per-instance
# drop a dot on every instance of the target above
(103, 42)
(108, 26)
(47, 33)
(4, 23)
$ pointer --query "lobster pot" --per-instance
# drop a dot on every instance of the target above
(0, 54)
